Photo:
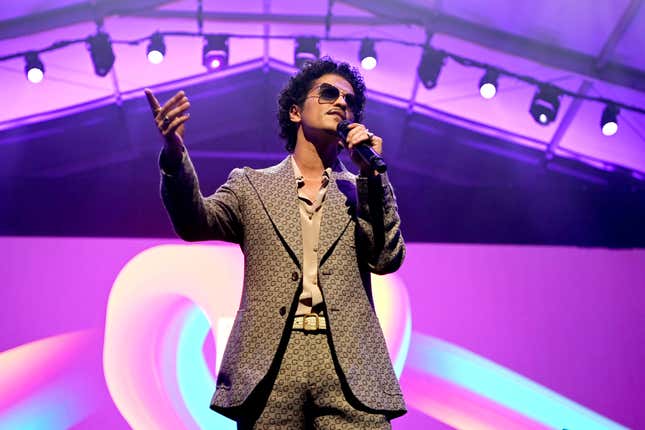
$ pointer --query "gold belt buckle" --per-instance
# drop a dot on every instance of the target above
(310, 322)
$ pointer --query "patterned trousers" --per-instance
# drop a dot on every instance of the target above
(305, 392)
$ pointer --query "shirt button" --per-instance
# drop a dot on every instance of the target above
(283, 310)
(315, 249)
(315, 281)
(294, 276)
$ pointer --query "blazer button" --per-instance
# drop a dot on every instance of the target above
(294, 276)
(283, 310)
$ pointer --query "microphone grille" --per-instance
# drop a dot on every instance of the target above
(342, 129)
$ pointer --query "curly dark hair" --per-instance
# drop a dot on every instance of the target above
(300, 84)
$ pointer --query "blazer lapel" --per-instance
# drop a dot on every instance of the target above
(338, 208)
(278, 192)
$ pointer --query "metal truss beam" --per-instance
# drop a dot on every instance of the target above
(540, 52)
(88, 11)
(385, 13)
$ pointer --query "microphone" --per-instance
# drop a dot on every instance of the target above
(364, 150)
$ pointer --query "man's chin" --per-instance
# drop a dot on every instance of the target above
(330, 131)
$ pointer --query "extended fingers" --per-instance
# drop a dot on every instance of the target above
(178, 98)
(179, 109)
(152, 101)
(164, 119)
(174, 125)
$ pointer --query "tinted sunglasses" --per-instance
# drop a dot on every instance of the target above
(327, 94)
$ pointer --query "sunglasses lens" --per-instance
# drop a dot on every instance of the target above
(351, 102)
(328, 93)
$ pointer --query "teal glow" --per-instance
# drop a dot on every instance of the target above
(60, 405)
(503, 386)
(196, 384)
(169, 334)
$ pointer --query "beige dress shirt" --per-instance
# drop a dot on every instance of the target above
(310, 215)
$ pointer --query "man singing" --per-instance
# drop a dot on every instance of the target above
(306, 349)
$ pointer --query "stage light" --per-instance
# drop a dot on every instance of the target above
(102, 53)
(367, 54)
(609, 120)
(488, 84)
(430, 67)
(215, 53)
(545, 104)
(156, 48)
(34, 68)
(306, 49)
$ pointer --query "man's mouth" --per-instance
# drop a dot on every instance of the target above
(337, 113)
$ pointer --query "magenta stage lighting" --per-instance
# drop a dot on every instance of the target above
(307, 49)
(215, 53)
(488, 84)
(102, 53)
(430, 67)
(545, 104)
(156, 48)
(34, 68)
(609, 120)
(367, 54)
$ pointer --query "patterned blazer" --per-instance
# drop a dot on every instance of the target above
(359, 234)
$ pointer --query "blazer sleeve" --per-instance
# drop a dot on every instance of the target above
(378, 224)
(195, 217)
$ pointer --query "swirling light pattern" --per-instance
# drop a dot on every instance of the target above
(51, 383)
(167, 321)
(163, 307)
(470, 392)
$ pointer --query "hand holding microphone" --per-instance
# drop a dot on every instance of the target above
(365, 147)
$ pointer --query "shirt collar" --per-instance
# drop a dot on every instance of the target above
(301, 179)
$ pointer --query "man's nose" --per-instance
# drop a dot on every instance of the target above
(340, 101)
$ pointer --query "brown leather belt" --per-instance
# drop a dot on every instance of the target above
(309, 322)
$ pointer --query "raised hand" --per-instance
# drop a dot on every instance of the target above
(357, 135)
(170, 118)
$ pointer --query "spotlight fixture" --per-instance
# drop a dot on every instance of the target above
(430, 67)
(34, 68)
(367, 54)
(156, 48)
(545, 104)
(307, 49)
(609, 120)
(102, 53)
(488, 84)
(215, 52)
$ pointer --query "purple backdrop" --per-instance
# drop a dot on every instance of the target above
(568, 319)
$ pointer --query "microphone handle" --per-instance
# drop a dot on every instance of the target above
(371, 157)
(364, 150)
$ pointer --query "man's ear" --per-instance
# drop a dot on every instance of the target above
(294, 114)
